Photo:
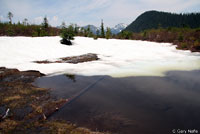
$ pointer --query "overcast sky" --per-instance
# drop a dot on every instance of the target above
(83, 12)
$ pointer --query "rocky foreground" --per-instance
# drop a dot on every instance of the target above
(25, 108)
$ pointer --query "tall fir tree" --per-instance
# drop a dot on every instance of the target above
(76, 29)
(45, 23)
(88, 31)
(97, 32)
(63, 25)
(25, 21)
(10, 15)
(102, 30)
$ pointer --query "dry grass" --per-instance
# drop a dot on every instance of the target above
(12, 98)
(8, 125)
(25, 92)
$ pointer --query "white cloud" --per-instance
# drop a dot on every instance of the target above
(90, 11)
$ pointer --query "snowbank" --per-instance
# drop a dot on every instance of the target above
(118, 58)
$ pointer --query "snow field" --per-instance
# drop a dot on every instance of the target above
(118, 58)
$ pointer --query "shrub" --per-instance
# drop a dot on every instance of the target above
(196, 43)
(183, 45)
(34, 34)
(10, 31)
(67, 34)
(95, 37)
(125, 35)
(108, 33)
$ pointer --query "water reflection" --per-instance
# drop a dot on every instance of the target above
(71, 77)
(144, 105)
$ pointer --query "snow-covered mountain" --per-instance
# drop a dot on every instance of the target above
(115, 30)
(118, 28)
(93, 28)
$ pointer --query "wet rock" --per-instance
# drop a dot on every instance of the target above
(43, 62)
(2, 111)
(13, 75)
(66, 42)
(20, 113)
(7, 72)
(81, 58)
(73, 59)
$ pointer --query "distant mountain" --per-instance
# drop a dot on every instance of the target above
(93, 28)
(115, 30)
(118, 28)
(155, 19)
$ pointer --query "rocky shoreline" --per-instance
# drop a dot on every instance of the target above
(25, 108)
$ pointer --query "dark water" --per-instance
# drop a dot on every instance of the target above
(132, 105)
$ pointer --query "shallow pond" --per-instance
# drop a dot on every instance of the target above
(140, 105)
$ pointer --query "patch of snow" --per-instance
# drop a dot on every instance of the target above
(121, 26)
(118, 58)
(118, 28)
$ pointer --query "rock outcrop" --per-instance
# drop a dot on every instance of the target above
(73, 59)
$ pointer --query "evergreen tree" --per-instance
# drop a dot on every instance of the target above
(76, 29)
(97, 35)
(102, 30)
(108, 33)
(85, 32)
(45, 23)
(71, 30)
(67, 34)
(10, 15)
(125, 35)
(155, 19)
(25, 21)
(89, 32)
(97, 32)
(63, 25)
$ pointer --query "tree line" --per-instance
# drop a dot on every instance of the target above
(68, 33)
(156, 19)
(183, 37)
(25, 29)
(44, 29)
